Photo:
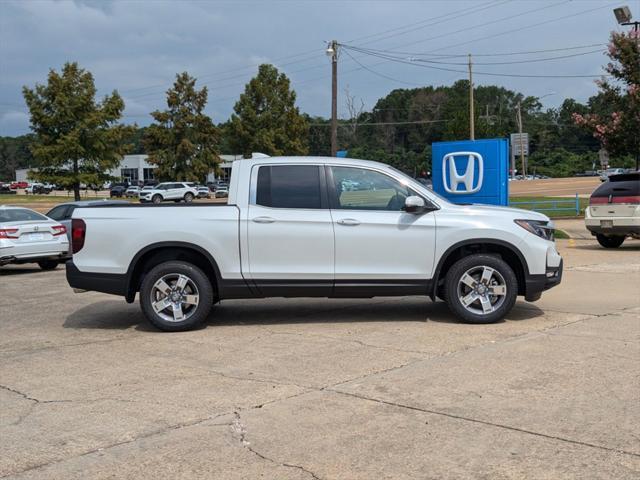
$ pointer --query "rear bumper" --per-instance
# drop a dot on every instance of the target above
(112, 283)
(536, 284)
(617, 230)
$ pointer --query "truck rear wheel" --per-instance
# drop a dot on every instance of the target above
(613, 241)
(481, 289)
(176, 296)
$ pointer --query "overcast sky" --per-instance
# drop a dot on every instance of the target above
(137, 47)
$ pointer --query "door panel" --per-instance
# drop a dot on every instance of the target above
(384, 245)
(290, 244)
(374, 237)
(289, 227)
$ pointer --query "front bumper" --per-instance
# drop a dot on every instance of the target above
(536, 284)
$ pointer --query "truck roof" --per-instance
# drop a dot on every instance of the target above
(326, 160)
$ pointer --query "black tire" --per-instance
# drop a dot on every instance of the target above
(613, 241)
(156, 199)
(472, 314)
(48, 264)
(188, 197)
(193, 318)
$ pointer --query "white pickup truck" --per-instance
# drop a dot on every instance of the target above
(314, 227)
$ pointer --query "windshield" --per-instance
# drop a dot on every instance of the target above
(20, 215)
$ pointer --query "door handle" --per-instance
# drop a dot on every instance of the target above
(264, 220)
(349, 222)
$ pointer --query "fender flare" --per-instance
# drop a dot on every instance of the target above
(475, 241)
(131, 289)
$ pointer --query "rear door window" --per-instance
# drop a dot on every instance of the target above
(618, 191)
(20, 215)
(289, 186)
(58, 213)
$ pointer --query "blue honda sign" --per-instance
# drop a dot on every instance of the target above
(472, 171)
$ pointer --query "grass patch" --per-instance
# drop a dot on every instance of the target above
(30, 199)
(562, 206)
(560, 234)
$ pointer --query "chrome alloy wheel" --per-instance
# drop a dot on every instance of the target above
(174, 297)
(482, 290)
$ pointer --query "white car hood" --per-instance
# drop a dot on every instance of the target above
(489, 210)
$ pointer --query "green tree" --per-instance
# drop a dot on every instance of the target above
(77, 139)
(183, 144)
(266, 119)
(616, 122)
(15, 153)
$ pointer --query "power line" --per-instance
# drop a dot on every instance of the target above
(373, 124)
(531, 60)
(465, 11)
(451, 55)
(495, 74)
(380, 74)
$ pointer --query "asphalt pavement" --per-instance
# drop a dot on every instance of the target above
(327, 389)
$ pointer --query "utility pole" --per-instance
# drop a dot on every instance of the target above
(332, 51)
(519, 118)
(472, 129)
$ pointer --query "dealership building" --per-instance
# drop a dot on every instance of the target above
(135, 169)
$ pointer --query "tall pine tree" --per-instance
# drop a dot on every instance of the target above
(77, 140)
(183, 144)
(266, 119)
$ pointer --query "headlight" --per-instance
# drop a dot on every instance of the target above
(539, 228)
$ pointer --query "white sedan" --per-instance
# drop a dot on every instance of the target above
(30, 237)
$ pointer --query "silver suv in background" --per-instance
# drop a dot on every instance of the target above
(170, 191)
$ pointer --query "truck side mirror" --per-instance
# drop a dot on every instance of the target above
(414, 204)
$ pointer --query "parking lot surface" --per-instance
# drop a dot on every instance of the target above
(318, 388)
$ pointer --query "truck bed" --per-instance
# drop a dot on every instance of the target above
(136, 227)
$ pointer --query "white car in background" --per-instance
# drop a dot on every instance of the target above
(170, 191)
(132, 192)
(30, 237)
(146, 189)
(613, 213)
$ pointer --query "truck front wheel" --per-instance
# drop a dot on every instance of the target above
(481, 288)
(176, 296)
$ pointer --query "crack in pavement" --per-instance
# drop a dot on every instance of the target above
(484, 422)
(117, 444)
(330, 388)
(240, 430)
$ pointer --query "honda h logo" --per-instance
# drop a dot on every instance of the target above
(467, 178)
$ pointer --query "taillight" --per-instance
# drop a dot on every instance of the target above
(8, 232)
(78, 232)
(59, 230)
(621, 199)
(629, 199)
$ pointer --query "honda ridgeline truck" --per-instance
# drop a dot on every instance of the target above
(314, 227)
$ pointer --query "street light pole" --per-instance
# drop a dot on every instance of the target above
(472, 126)
(332, 51)
(519, 118)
